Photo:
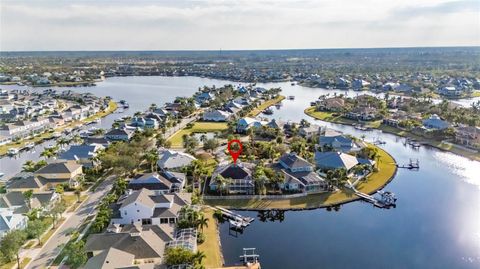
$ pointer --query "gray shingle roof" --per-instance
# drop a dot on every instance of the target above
(58, 167)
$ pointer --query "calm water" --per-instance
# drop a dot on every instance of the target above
(436, 223)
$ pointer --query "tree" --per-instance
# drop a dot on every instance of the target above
(151, 158)
(28, 166)
(28, 197)
(11, 244)
(210, 144)
(57, 210)
(178, 255)
(78, 193)
(59, 189)
(76, 254)
(202, 222)
(35, 229)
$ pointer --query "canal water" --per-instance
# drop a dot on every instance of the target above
(436, 223)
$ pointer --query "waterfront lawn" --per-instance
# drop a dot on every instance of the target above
(265, 105)
(332, 117)
(386, 171)
(211, 247)
(112, 106)
(198, 127)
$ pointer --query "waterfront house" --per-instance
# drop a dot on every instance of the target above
(435, 123)
(60, 173)
(246, 123)
(362, 113)
(122, 134)
(468, 136)
(9, 221)
(338, 160)
(170, 159)
(216, 115)
(82, 154)
(165, 182)
(360, 84)
(204, 97)
(299, 175)
(310, 130)
(233, 178)
(148, 207)
(449, 91)
(335, 140)
(334, 104)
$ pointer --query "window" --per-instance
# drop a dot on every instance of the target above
(146, 221)
(125, 212)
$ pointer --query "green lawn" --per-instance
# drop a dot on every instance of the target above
(211, 247)
(386, 171)
(9, 265)
(198, 127)
(112, 106)
(330, 117)
(265, 105)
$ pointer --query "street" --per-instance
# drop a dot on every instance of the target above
(52, 248)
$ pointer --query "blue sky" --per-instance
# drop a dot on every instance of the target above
(241, 24)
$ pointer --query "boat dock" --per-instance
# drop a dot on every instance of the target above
(238, 221)
(411, 165)
(387, 199)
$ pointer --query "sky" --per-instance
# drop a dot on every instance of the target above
(238, 24)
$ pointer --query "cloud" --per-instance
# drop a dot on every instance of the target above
(244, 24)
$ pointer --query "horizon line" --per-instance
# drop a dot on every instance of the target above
(220, 49)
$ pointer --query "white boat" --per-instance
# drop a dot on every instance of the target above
(97, 120)
(1, 174)
(30, 145)
(12, 151)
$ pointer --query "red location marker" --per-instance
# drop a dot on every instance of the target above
(233, 153)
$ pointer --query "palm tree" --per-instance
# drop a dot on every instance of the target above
(202, 222)
(76, 139)
(62, 142)
(151, 157)
(29, 166)
(46, 154)
(28, 197)
(198, 257)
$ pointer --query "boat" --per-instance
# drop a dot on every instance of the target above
(124, 104)
(267, 111)
(291, 97)
(29, 145)
(1, 174)
(12, 151)
(98, 120)
(387, 198)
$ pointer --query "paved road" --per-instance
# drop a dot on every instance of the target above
(181, 125)
(53, 247)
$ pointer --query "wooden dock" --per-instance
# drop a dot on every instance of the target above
(387, 201)
(237, 220)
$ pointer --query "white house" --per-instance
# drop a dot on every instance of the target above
(11, 221)
(146, 207)
(170, 159)
(216, 115)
